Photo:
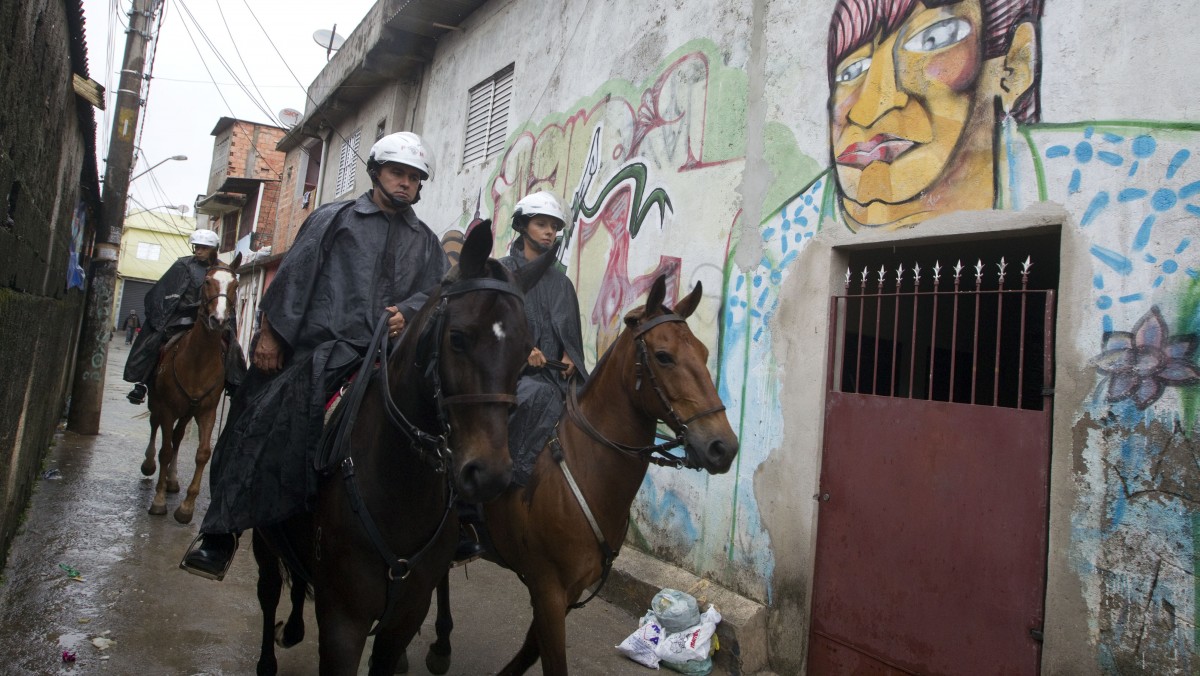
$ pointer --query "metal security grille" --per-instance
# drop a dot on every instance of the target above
(348, 164)
(487, 116)
(941, 335)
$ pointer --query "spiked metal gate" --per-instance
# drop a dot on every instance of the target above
(931, 543)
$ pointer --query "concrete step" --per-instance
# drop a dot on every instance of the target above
(742, 634)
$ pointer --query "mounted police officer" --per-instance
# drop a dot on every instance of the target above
(171, 306)
(552, 311)
(351, 262)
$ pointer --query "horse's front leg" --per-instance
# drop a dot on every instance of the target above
(158, 506)
(437, 660)
(270, 586)
(547, 636)
(342, 633)
(177, 439)
(148, 465)
(388, 649)
(204, 421)
(288, 635)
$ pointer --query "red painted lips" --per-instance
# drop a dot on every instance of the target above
(881, 148)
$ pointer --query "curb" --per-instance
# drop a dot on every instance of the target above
(635, 579)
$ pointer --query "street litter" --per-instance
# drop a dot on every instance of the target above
(71, 572)
(103, 643)
(675, 634)
(52, 474)
(68, 656)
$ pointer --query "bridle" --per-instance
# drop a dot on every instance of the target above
(202, 310)
(433, 449)
(658, 454)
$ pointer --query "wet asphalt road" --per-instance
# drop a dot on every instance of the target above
(89, 512)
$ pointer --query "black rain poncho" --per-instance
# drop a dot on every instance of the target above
(552, 312)
(349, 262)
(170, 307)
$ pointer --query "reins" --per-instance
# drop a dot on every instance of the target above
(659, 454)
(433, 449)
(203, 307)
(649, 453)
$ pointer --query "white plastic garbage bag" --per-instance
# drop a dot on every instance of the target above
(639, 646)
(689, 651)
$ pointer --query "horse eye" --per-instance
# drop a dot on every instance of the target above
(458, 341)
(663, 358)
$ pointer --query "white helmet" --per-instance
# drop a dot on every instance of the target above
(204, 238)
(539, 203)
(403, 147)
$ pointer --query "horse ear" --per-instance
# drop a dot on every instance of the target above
(658, 291)
(476, 250)
(528, 276)
(687, 306)
(237, 262)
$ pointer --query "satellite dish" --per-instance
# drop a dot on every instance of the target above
(329, 39)
(289, 117)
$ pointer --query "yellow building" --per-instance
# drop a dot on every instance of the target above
(150, 243)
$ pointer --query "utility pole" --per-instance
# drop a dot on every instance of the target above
(88, 392)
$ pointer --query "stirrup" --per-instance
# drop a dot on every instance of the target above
(478, 551)
(204, 573)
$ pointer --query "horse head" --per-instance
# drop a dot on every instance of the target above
(219, 295)
(670, 380)
(471, 342)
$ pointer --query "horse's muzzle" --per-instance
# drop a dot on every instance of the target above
(715, 454)
(480, 481)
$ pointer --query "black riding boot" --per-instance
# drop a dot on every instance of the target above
(469, 547)
(210, 555)
(137, 395)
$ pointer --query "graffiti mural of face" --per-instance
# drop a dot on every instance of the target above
(912, 116)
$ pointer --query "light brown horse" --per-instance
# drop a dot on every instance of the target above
(187, 386)
(655, 370)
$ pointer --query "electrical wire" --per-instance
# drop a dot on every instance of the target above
(243, 60)
(303, 87)
(222, 95)
(265, 110)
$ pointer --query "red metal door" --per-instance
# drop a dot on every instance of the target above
(931, 541)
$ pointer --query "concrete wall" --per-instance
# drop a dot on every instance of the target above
(388, 105)
(46, 147)
(723, 153)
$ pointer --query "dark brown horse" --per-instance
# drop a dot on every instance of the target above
(187, 386)
(431, 425)
(561, 532)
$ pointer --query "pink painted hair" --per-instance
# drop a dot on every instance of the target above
(856, 22)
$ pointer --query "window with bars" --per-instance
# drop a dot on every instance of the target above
(487, 116)
(347, 165)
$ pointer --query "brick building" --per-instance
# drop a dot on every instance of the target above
(243, 184)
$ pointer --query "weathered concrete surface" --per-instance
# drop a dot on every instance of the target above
(742, 633)
(89, 512)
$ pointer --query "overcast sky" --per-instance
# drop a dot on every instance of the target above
(186, 99)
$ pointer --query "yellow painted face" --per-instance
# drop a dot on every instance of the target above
(911, 120)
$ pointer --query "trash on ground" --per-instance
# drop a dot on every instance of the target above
(52, 473)
(68, 656)
(103, 643)
(71, 572)
(674, 634)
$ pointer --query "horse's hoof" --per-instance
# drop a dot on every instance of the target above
(180, 515)
(172, 486)
(287, 636)
(158, 510)
(148, 468)
(435, 663)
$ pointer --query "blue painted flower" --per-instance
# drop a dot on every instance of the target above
(1140, 364)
